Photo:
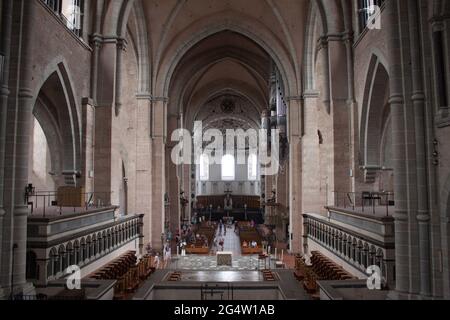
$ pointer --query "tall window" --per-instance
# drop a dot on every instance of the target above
(70, 12)
(252, 167)
(204, 167)
(228, 168)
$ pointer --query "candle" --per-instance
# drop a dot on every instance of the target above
(178, 251)
(268, 250)
(276, 256)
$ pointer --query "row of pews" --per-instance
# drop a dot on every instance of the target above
(174, 276)
(268, 275)
(127, 271)
(327, 269)
(247, 235)
(199, 246)
(321, 268)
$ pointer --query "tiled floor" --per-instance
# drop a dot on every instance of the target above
(204, 263)
(209, 263)
(222, 276)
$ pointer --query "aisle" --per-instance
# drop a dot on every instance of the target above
(232, 242)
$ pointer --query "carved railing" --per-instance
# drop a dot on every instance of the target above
(356, 249)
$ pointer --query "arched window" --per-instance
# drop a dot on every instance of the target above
(204, 167)
(228, 167)
(252, 167)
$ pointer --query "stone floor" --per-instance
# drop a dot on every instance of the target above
(231, 244)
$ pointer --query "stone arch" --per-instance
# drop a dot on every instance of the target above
(225, 22)
(56, 108)
(374, 115)
(115, 20)
(315, 15)
(63, 263)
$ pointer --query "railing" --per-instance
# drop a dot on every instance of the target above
(375, 203)
(358, 250)
(45, 201)
(210, 291)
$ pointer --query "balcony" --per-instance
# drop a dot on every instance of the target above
(87, 239)
(69, 201)
(353, 241)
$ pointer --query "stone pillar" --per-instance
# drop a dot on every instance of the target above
(295, 173)
(340, 114)
(418, 100)
(121, 47)
(144, 165)
(88, 143)
(186, 179)
(325, 56)
(396, 102)
(17, 139)
(103, 153)
(173, 182)
(5, 44)
(158, 135)
(311, 202)
(96, 45)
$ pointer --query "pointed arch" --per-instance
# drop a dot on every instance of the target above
(374, 111)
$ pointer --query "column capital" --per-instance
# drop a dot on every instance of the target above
(160, 99)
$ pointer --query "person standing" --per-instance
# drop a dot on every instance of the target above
(167, 254)
(156, 261)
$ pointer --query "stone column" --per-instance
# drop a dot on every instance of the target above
(173, 182)
(311, 202)
(396, 102)
(295, 173)
(88, 143)
(4, 94)
(18, 137)
(158, 136)
(418, 99)
(96, 45)
(144, 165)
(339, 82)
(121, 47)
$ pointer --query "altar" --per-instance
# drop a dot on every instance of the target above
(225, 258)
